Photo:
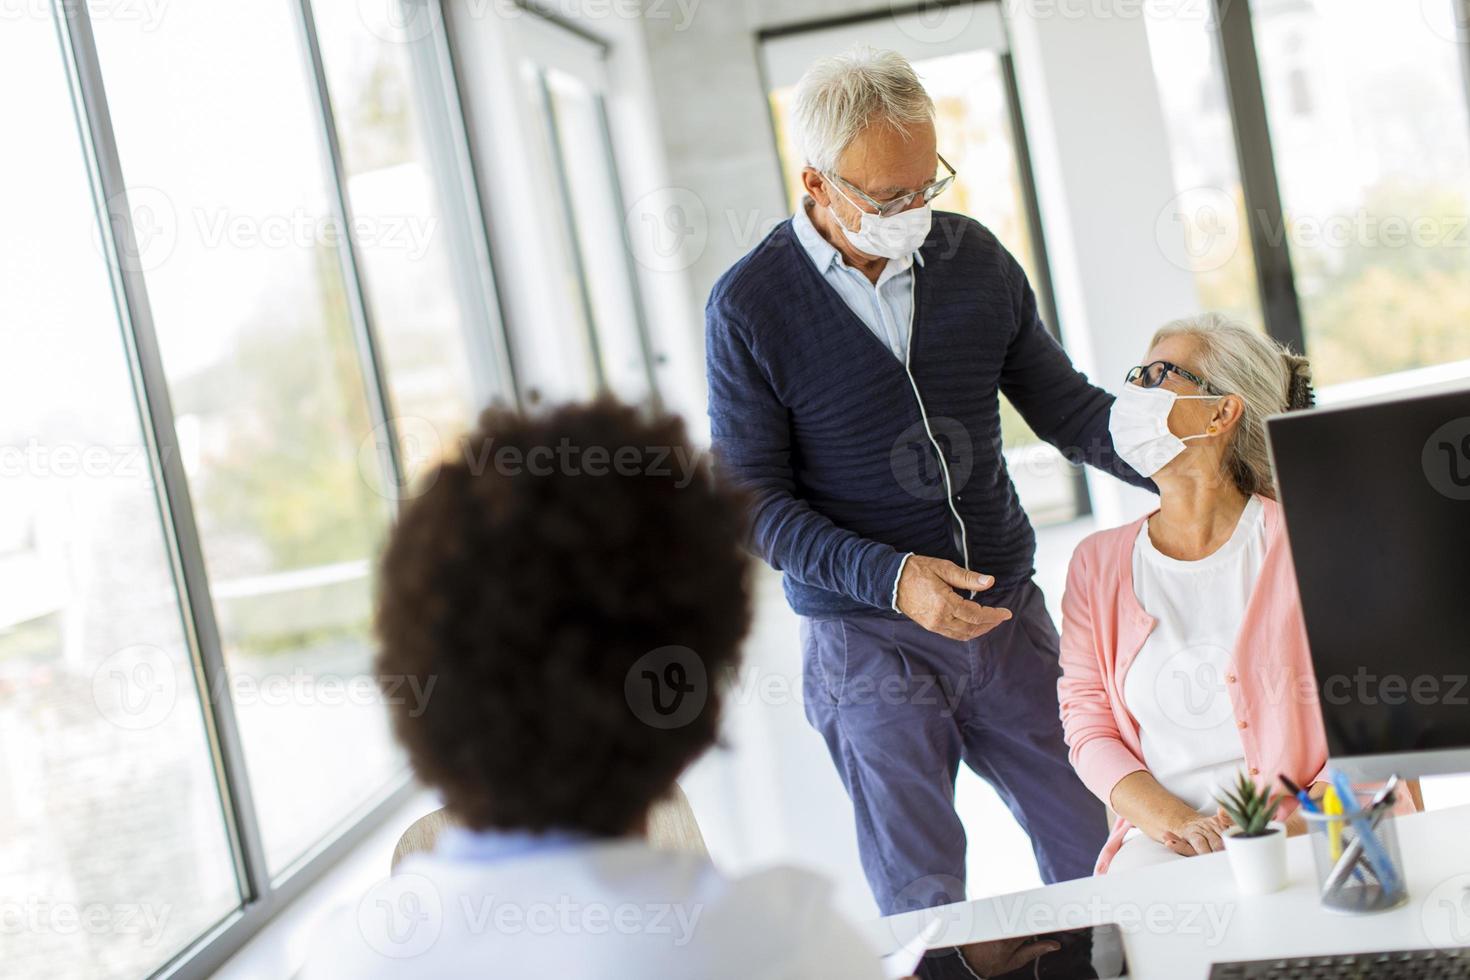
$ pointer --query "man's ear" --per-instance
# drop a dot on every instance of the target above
(815, 185)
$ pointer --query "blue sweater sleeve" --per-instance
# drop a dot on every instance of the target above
(751, 430)
(1054, 398)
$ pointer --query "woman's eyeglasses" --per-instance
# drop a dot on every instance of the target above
(886, 209)
(1152, 375)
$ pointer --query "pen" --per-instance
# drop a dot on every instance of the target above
(1376, 811)
(1373, 851)
(1303, 797)
(1332, 807)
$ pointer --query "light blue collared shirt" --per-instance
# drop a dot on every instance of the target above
(461, 844)
(885, 306)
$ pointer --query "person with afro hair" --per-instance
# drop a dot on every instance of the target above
(561, 605)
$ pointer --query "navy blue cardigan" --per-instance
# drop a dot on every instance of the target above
(820, 422)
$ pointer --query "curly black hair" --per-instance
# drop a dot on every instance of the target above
(552, 569)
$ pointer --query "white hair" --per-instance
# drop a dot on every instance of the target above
(1264, 375)
(839, 97)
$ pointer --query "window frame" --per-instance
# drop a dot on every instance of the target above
(263, 895)
(1246, 98)
(1265, 213)
(537, 43)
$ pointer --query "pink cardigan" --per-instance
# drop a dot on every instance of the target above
(1272, 686)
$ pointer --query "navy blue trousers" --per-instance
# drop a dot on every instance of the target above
(900, 708)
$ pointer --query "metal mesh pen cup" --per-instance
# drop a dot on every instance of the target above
(1359, 869)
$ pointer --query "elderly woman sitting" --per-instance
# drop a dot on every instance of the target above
(1184, 653)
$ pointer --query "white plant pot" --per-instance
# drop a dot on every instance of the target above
(1259, 863)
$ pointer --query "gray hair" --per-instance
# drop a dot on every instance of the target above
(1266, 376)
(839, 97)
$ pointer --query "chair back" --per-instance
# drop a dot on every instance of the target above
(671, 827)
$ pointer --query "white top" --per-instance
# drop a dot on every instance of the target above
(884, 306)
(1177, 686)
(597, 911)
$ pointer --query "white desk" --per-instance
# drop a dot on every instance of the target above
(1180, 917)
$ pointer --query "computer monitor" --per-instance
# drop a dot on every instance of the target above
(1377, 505)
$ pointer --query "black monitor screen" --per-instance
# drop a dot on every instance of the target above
(1377, 505)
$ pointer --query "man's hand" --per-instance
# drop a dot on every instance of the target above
(926, 595)
(1005, 955)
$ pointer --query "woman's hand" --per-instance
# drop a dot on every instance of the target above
(1197, 834)
(1140, 799)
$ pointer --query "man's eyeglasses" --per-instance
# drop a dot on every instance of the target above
(1153, 375)
(887, 209)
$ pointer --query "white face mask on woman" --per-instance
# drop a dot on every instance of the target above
(894, 237)
(1139, 423)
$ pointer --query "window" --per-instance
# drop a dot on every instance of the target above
(1207, 203)
(973, 117)
(535, 106)
(576, 115)
(412, 237)
(194, 478)
(221, 150)
(1367, 110)
(110, 813)
(561, 83)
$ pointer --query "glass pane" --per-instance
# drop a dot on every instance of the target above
(972, 118)
(974, 121)
(577, 118)
(557, 364)
(218, 136)
(403, 233)
(1207, 202)
(1367, 107)
(113, 852)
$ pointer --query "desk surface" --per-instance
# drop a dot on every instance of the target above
(1180, 917)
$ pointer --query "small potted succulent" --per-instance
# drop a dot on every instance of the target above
(1256, 844)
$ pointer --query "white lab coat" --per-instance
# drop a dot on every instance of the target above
(595, 911)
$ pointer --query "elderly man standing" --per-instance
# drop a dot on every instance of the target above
(856, 357)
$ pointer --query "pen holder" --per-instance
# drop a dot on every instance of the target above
(1357, 856)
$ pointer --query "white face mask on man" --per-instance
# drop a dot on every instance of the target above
(894, 237)
(1139, 423)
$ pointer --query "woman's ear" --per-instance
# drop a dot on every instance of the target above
(1228, 413)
